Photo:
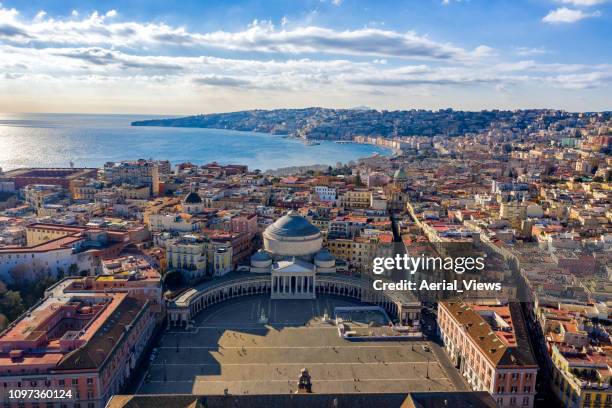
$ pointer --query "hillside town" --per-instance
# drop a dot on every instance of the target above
(97, 263)
(346, 124)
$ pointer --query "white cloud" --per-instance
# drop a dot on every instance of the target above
(528, 52)
(40, 15)
(566, 15)
(90, 53)
(260, 36)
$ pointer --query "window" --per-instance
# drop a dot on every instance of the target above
(62, 382)
(527, 388)
(513, 389)
(89, 381)
(513, 401)
(525, 401)
(75, 381)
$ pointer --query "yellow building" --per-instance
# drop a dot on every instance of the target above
(358, 198)
(188, 256)
(37, 234)
(219, 257)
(358, 252)
(515, 212)
(580, 379)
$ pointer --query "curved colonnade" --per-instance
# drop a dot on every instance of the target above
(181, 311)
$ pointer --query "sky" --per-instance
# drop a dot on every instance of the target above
(163, 57)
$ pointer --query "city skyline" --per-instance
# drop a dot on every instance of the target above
(198, 57)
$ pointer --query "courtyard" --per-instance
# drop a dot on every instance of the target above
(232, 349)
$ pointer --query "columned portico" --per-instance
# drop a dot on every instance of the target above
(293, 286)
(293, 279)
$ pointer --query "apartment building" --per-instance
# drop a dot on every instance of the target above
(84, 345)
(358, 198)
(490, 347)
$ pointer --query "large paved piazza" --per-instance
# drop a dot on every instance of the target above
(228, 349)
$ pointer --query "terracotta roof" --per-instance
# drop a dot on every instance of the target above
(493, 344)
(93, 354)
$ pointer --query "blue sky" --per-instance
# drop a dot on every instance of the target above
(200, 56)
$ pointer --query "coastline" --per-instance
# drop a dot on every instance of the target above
(92, 140)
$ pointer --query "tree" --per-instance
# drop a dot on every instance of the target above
(3, 322)
(20, 274)
(11, 305)
(73, 269)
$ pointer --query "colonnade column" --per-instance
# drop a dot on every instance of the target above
(287, 285)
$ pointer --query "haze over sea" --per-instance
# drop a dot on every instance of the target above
(55, 140)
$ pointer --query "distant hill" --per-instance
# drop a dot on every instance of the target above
(344, 124)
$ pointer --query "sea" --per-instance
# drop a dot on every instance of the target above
(87, 140)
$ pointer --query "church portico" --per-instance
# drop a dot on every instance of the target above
(293, 287)
(293, 279)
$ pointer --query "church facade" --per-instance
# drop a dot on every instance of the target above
(293, 256)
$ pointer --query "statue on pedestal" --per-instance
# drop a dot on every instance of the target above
(304, 383)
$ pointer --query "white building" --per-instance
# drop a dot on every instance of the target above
(325, 193)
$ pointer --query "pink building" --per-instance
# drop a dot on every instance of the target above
(83, 345)
(490, 347)
(246, 223)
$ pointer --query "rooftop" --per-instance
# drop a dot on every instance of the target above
(72, 331)
(292, 225)
(498, 331)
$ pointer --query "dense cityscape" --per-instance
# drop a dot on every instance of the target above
(345, 124)
(147, 282)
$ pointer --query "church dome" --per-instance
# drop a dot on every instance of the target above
(324, 255)
(261, 256)
(292, 235)
(400, 174)
(292, 225)
(323, 259)
(261, 259)
(193, 198)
